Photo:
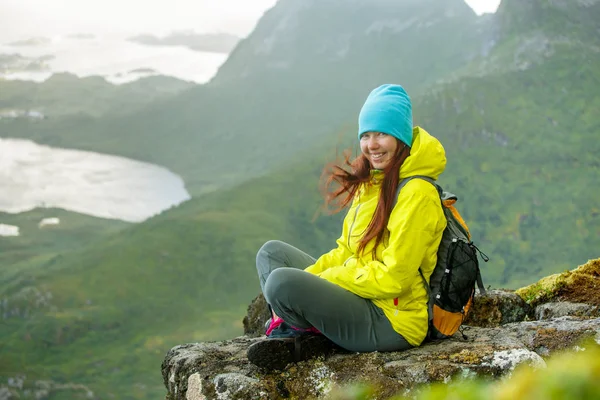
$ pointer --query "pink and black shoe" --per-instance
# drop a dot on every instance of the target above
(286, 344)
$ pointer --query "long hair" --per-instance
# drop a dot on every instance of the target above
(340, 187)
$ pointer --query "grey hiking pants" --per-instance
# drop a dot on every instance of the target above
(304, 300)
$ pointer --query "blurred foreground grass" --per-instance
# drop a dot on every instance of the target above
(570, 375)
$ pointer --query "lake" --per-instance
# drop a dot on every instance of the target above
(107, 186)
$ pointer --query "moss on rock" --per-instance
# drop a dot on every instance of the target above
(498, 307)
(257, 316)
(579, 285)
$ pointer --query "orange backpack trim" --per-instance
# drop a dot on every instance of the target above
(446, 322)
(449, 204)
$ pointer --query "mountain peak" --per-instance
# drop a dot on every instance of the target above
(296, 32)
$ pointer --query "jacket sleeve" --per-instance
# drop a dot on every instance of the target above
(336, 256)
(415, 233)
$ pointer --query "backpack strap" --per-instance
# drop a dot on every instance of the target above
(443, 194)
(404, 181)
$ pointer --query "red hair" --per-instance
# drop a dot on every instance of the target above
(348, 182)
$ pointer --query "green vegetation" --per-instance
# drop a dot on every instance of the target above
(99, 302)
(75, 231)
(521, 156)
(187, 275)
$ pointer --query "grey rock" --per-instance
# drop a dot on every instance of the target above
(220, 370)
(206, 362)
(561, 309)
(258, 314)
(500, 333)
(545, 337)
(230, 383)
(498, 307)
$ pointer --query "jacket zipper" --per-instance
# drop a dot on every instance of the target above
(350, 235)
(352, 225)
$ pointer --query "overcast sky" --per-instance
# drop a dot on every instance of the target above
(25, 18)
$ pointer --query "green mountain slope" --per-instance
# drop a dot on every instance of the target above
(183, 276)
(74, 231)
(575, 19)
(522, 150)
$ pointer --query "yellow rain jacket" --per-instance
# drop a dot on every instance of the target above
(415, 230)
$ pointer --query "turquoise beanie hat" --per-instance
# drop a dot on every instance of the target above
(387, 110)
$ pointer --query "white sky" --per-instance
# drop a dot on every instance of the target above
(26, 18)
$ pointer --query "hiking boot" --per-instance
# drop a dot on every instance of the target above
(277, 353)
(271, 354)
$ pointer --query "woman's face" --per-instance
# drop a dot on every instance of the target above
(379, 148)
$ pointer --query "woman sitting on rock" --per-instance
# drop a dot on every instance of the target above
(367, 294)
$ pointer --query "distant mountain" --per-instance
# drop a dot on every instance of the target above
(66, 94)
(211, 42)
(16, 62)
(526, 33)
(378, 38)
(34, 41)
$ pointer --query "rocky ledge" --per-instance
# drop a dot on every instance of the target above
(505, 329)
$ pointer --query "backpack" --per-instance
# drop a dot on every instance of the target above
(451, 287)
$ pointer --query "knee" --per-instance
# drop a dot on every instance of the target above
(279, 284)
(268, 248)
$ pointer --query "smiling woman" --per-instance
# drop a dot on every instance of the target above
(367, 293)
(89, 183)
